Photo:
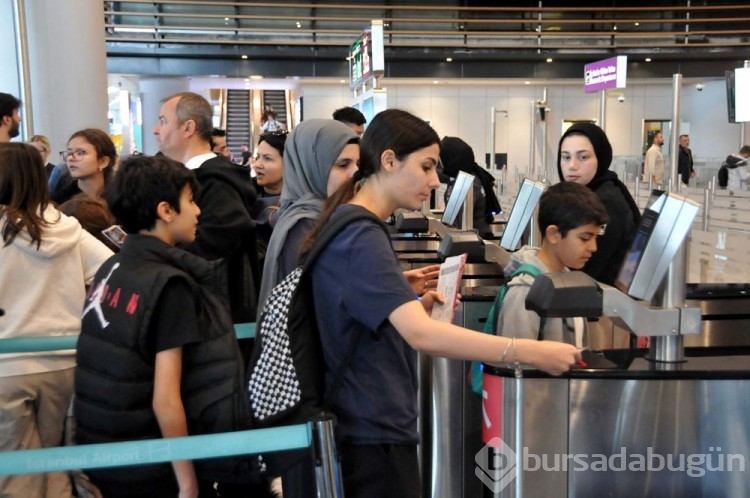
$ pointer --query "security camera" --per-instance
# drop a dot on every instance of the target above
(699, 87)
(621, 98)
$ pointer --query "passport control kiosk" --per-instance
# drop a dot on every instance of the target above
(664, 422)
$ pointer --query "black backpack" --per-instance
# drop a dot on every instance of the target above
(723, 176)
(287, 370)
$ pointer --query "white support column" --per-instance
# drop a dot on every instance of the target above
(9, 77)
(67, 68)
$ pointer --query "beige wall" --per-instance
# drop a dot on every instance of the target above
(463, 110)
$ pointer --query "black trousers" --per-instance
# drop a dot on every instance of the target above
(380, 471)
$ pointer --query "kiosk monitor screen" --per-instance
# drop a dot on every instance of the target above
(464, 182)
(635, 253)
(523, 209)
(663, 229)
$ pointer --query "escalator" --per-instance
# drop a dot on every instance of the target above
(238, 121)
(277, 99)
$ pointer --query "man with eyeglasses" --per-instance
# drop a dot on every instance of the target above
(10, 119)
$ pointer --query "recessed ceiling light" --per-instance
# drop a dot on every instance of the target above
(342, 81)
(648, 59)
(256, 77)
(299, 25)
(226, 18)
(244, 56)
(549, 59)
(435, 82)
(526, 82)
(637, 24)
(614, 28)
(448, 59)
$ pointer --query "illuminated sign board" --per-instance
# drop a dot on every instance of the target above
(366, 56)
(608, 73)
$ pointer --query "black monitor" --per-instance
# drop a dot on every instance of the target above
(464, 182)
(523, 209)
(655, 194)
(729, 78)
(742, 94)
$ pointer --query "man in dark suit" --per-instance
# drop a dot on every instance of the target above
(225, 229)
(685, 160)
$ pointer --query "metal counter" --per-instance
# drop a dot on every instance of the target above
(606, 425)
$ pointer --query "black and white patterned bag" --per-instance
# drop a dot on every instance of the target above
(287, 369)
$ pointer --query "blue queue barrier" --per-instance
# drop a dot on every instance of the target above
(56, 343)
(317, 434)
(150, 451)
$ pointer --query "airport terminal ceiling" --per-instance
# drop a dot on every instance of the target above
(483, 39)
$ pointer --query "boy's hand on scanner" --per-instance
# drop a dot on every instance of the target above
(423, 279)
(552, 357)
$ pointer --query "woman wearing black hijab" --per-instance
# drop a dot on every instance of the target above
(456, 155)
(584, 156)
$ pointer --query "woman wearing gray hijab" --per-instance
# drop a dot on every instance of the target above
(319, 156)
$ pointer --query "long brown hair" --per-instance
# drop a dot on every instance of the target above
(393, 129)
(24, 194)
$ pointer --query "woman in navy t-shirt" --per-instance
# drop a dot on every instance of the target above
(360, 289)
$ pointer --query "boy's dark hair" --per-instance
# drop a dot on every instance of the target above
(349, 115)
(141, 183)
(8, 104)
(745, 149)
(569, 205)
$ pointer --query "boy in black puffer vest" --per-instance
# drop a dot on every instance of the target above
(157, 355)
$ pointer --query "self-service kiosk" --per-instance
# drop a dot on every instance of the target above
(663, 422)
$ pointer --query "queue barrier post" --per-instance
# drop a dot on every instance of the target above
(327, 468)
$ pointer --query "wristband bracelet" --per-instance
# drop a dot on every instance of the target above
(516, 364)
(505, 351)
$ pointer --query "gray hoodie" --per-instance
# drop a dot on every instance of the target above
(515, 320)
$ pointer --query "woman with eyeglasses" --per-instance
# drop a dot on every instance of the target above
(41, 143)
(268, 166)
(91, 157)
(46, 260)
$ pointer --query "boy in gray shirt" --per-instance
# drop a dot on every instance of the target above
(570, 218)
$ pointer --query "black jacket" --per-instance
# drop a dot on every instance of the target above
(624, 218)
(685, 164)
(115, 374)
(226, 231)
(456, 155)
